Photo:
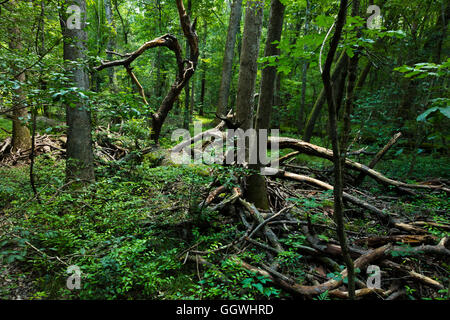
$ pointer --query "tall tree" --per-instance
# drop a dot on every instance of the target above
(205, 68)
(21, 138)
(256, 189)
(187, 91)
(269, 73)
(79, 162)
(227, 67)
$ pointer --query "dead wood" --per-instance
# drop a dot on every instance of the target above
(417, 276)
(314, 150)
(378, 156)
(326, 186)
(406, 239)
(361, 263)
(186, 68)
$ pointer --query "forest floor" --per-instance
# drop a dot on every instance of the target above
(152, 230)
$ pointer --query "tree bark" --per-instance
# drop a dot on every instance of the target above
(256, 188)
(21, 138)
(79, 162)
(205, 68)
(269, 73)
(301, 110)
(227, 67)
(314, 114)
(111, 41)
(338, 183)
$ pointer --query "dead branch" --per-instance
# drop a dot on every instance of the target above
(417, 276)
(378, 156)
(326, 186)
(314, 150)
(362, 262)
(186, 68)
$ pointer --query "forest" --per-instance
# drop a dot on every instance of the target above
(224, 150)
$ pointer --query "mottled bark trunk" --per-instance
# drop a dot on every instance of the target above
(79, 163)
(187, 91)
(256, 188)
(227, 67)
(269, 73)
(21, 138)
(248, 64)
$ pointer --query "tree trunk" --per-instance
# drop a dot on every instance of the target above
(269, 73)
(111, 42)
(314, 114)
(187, 94)
(79, 163)
(205, 68)
(21, 138)
(301, 110)
(352, 78)
(227, 67)
(338, 183)
(192, 100)
(256, 188)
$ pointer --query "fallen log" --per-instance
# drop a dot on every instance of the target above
(301, 178)
(314, 150)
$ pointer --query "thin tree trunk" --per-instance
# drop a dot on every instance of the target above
(111, 42)
(187, 94)
(314, 114)
(205, 68)
(352, 77)
(301, 110)
(227, 67)
(338, 183)
(192, 100)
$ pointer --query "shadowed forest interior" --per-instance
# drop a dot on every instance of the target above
(320, 170)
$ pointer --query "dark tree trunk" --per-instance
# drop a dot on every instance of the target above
(301, 111)
(338, 183)
(269, 73)
(321, 99)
